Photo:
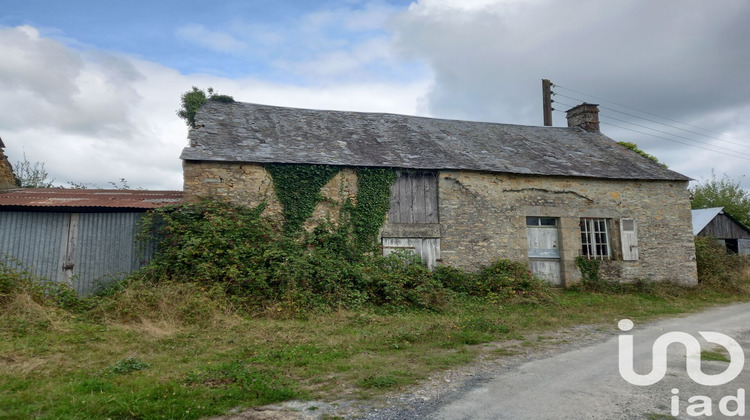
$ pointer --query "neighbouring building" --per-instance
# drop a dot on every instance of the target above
(716, 223)
(7, 179)
(467, 193)
(85, 238)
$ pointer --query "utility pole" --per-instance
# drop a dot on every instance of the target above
(547, 102)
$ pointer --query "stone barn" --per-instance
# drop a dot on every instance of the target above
(467, 193)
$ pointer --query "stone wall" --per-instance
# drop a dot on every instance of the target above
(483, 217)
(7, 180)
(250, 185)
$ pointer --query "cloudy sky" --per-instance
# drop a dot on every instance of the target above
(90, 88)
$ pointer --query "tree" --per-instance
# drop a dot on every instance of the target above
(722, 192)
(193, 99)
(31, 175)
(634, 147)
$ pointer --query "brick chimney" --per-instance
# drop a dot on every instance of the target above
(585, 116)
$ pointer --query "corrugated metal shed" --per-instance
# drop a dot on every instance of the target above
(243, 132)
(67, 198)
(85, 238)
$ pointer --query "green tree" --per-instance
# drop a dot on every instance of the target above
(723, 192)
(634, 147)
(193, 99)
(31, 175)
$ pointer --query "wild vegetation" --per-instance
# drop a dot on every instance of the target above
(201, 330)
(722, 192)
(193, 99)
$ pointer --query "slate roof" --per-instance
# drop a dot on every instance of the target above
(59, 198)
(244, 132)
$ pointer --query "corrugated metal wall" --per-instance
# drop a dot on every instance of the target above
(37, 240)
(105, 249)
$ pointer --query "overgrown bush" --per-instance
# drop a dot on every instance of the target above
(503, 280)
(401, 280)
(234, 249)
(719, 268)
(215, 243)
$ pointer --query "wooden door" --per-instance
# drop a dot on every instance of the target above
(544, 252)
(427, 248)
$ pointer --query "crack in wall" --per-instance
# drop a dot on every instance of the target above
(552, 192)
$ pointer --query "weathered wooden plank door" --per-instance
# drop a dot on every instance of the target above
(427, 248)
(629, 237)
(414, 198)
(544, 252)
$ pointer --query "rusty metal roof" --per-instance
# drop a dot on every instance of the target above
(74, 198)
(243, 132)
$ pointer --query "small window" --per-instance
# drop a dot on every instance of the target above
(541, 221)
(595, 239)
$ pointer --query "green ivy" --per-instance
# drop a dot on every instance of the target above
(373, 202)
(589, 270)
(298, 189)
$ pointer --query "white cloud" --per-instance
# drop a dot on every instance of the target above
(217, 41)
(105, 116)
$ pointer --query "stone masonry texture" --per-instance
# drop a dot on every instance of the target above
(7, 180)
(483, 215)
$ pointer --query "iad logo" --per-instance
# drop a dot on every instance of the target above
(693, 364)
(701, 405)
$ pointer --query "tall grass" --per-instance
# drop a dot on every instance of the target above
(177, 341)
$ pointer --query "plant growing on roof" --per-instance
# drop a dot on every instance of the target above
(193, 99)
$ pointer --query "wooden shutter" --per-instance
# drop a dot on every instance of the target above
(629, 239)
(414, 198)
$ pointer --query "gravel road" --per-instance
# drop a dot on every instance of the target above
(572, 374)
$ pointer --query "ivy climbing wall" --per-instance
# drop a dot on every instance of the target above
(299, 196)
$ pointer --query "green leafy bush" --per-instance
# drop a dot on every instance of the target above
(402, 280)
(719, 268)
(240, 255)
(504, 279)
(215, 243)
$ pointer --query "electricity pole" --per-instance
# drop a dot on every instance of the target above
(547, 101)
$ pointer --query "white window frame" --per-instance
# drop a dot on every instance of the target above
(595, 238)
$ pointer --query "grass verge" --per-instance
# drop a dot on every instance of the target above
(176, 353)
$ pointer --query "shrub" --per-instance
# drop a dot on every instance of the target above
(506, 279)
(719, 268)
(401, 280)
(215, 243)
(233, 249)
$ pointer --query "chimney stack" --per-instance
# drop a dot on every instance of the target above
(585, 116)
